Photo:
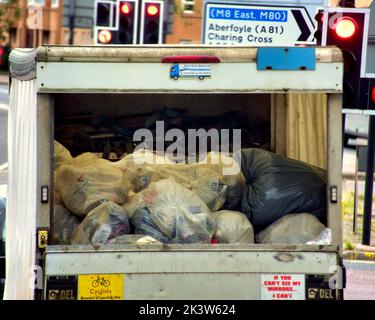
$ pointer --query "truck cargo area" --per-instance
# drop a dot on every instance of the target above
(103, 124)
(86, 122)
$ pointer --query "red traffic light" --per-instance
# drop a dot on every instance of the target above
(125, 8)
(104, 36)
(373, 94)
(345, 27)
(152, 10)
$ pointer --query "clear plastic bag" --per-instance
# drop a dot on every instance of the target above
(133, 239)
(296, 228)
(324, 238)
(205, 182)
(138, 177)
(84, 188)
(171, 213)
(230, 170)
(57, 200)
(85, 159)
(141, 158)
(143, 223)
(61, 155)
(233, 227)
(64, 225)
(102, 224)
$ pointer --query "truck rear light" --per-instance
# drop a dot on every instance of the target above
(190, 59)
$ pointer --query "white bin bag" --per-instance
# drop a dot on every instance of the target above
(22, 191)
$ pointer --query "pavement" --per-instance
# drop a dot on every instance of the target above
(360, 284)
(360, 253)
(4, 78)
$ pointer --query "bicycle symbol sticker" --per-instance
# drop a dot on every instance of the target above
(100, 281)
(101, 287)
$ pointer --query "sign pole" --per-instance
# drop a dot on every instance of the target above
(72, 8)
(367, 211)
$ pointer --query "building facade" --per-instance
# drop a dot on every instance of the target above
(39, 23)
(77, 22)
(187, 22)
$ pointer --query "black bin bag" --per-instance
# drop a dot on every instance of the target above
(277, 186)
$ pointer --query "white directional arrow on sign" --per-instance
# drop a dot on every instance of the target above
(241, 24)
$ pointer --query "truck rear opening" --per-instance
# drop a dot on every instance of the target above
(104, 95)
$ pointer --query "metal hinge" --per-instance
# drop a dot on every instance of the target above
(38, 276)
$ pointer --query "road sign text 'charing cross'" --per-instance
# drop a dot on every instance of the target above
(256, 25)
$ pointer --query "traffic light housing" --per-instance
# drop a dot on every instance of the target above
(319, 27)
(346, 29)
(368, 88)
(127, 22)
(103, 14)
(151, 22)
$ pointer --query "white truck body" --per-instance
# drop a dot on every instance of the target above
(106, 78)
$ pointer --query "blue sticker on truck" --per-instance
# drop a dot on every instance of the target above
(190, 71)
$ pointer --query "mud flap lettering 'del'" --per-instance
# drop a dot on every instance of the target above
(61, 288)
(318, 288)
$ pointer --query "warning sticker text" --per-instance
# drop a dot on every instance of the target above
(283, 287)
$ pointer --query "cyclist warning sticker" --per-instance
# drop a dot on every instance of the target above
(101, 287)
(283, 287)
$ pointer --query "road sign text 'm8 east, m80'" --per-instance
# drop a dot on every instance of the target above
(248, 14)
(257, 25)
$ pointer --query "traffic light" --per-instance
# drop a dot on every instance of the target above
(103, 14)
(105, 36)
(127, 23)
(347, 29)
(4, 54)
(152, 22)
(370, 89)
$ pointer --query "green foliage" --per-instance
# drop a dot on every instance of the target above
(348, 245)
(10, 13)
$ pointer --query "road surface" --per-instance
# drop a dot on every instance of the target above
(360, 280)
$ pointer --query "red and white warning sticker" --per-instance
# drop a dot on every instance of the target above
(283, 287)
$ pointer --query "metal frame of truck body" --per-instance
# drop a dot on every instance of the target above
(152, 272)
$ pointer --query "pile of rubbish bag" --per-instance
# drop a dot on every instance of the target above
(254, 196)
(102, 224)
(299, 228)
(277, 186)
(171, 213)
